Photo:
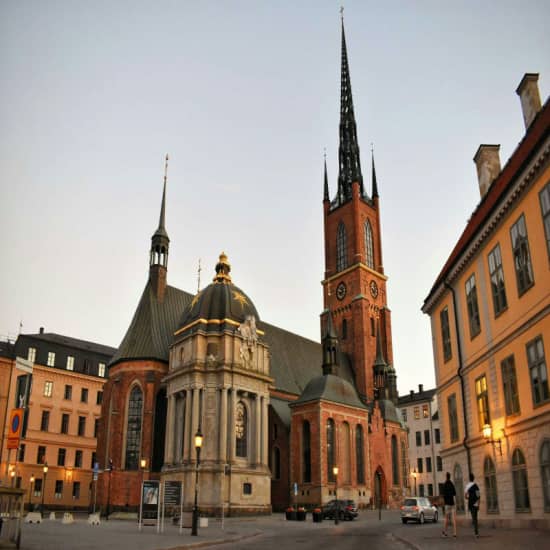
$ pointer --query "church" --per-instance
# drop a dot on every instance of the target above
(284, 420)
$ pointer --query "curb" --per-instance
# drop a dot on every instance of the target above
(215, 542)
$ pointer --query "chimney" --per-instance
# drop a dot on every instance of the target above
(41, 330)
(529, 96)
(487, 161)
(411, 394)
(420, 388)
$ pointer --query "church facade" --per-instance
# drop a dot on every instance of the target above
(284, 419)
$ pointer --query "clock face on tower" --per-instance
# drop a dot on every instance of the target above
(341, 291)
(373, 289)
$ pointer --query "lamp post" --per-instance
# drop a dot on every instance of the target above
(30, 490)
(45, 470)
(198, 445)
(414, 477)
(142, 466)
(335, 472)
(488, 436)
(12, 475)
(109, 489)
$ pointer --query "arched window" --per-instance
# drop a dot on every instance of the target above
(459, 487)
(330, 449)
(276, 466)
(241, 430)
(344, 329)
(394, 460)
(521, 485)
(133, 429)
(369, 247)
(359, 454)
(345, 459)
(545, 473)
(490, 475)
(306, 452)
(341, 248)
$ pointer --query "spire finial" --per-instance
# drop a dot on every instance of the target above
(223, 267)
(199, 277)
(342, 13)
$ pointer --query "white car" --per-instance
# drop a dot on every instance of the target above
(418, 509)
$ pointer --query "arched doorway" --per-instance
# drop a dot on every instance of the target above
(380, 496)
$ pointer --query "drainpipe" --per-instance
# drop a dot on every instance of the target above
(459, 373)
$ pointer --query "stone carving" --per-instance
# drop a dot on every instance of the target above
(247, 329)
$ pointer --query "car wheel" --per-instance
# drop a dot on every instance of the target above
(421, 518)
(403, 520)
(435, 517)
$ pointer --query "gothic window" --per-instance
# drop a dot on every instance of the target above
(331, 454)
(394, 460)
(306, 452)
(521, 485)
(490, 476)
(510, 385)
(522, 258)
(359, 454)
(341, 248)
(369, 248)
(133, 428)
(497, 280)
(545, 473)
(241, 430)
(473, 308)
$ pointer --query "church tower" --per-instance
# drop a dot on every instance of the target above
(355, 283)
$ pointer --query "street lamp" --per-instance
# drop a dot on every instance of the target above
(109, 489)
(142, 465)
(12, 475)
(488, 435)
(45, 470)
(335, 472)
(414, 477)
(30, 490)
(198, 445)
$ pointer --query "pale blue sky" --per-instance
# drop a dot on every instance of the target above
(244, 96)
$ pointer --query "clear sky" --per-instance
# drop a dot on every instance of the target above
(244, 96)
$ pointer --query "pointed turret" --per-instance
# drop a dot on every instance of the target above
(330, 347)
(348, 153)
(374, 182)
(158, 258)
(326, 196)
(379, 366)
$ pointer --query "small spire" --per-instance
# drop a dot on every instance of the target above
(326, 196)
(330, 346)
(161, 228)
(199, 277)
(379, 361)
(222, 270)
(374, 182)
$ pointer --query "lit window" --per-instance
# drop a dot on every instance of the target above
(341, 248)
(101, 370)
(425, 411)
(482, 399)
(70, 362)
(416, 413)
(31, 355)
(497, 280)
(445, 334)
(473, 309)
(537, 369)
(51, 359)
(545, 209)
(48, 388)
(522, 257)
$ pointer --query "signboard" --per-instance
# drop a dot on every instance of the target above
(150, 500)
(15, 426)
(172, 493)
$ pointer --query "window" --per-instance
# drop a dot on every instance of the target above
(445, 334)
(490, 475)
(58, 488)
(369, 248)
(133, 429)
(419, 465)
(241, 430)
(404, 415)
(521, 486)
(101, 370)
(45, 421)
(61, 454)
(428, 464)
(417, 413)
(437, 436)
(31, 355)
(64, 423)
(51, 359)
(37, 487)
(497, 280)
(330, 449)
(425, 411)
(430, 490)
(359, 454)
(522, 258)
(482, 400)
(544, 197)
(76, 490)
(510, 385)
(276, 468)
(84, 395)
(48, 388)
(99, 397)
(426, 437)
(306, 452)
(247, 488)
(439, 463)
(473, 309)
(453, 417)
(96, 426)
(41, 455)
(421, 489)
(545, 472)
(418, 439)
(81, 425)
(68, 392)
(537, 370)
(341, 248)
(21, 454)
(70, 362)
(78, 459)
(394, 460)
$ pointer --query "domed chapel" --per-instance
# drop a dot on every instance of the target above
(278, 411)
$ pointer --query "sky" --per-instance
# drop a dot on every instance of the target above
(244, 97)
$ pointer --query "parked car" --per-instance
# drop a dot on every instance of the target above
(418, 509)
(347, 509)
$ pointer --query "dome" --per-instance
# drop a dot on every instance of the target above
(219, 305)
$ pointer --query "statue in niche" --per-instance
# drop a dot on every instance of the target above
(247, 330)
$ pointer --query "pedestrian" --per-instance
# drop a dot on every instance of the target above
(449, 494)
(473, 496)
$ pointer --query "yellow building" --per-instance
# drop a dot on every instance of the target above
(490, 320)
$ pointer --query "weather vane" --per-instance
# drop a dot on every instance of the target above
(199, 277)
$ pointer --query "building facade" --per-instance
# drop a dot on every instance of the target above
(57, 383)
(490, 319)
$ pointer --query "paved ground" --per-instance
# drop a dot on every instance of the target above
(274, 532)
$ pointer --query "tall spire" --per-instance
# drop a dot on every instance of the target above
(161, 228)
(374, 182)
(348, 153)
(326, 196)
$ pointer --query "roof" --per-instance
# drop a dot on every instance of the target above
(70, 342)
(282, 409)
(408, 399)
(330, 387)
(536, 133)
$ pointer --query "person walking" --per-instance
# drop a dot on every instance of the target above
(449, 494)
(473, 496)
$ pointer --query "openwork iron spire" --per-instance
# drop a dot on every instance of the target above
(348, 153)
(374, 182)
